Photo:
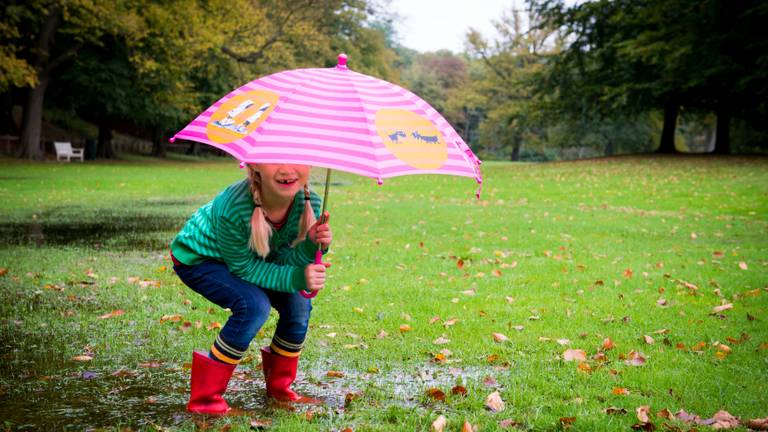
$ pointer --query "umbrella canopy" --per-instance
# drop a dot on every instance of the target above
(334, 118)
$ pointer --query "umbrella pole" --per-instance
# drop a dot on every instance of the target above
(319, 253)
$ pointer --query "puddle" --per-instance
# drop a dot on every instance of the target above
(99, 230)
(78, 398)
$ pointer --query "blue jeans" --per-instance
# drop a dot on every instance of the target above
(250, 305)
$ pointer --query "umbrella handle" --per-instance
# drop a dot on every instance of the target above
(318, 260)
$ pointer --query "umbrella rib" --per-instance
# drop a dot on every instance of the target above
(371, 132)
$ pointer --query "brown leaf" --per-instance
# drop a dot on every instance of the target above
(687, 417)
(460, 263)
(213, 325)
(335, 374)
(499, 337)
(743, 265)
(722, 420)
(619, 391)
(261, 423)
(442, 340)
(628, 273)
(405, 328)
(664, 414)
(566, 422)
(121, 373)
(508, 423)
(439, 424)
(759, 424)
(643, 413)
(584, 367)
(436, 394)
(82, 358)
(459, 390)
(170, 318)
(615, 411)
(351, 397)
(3, 271)
(649, 427)
(494, 402)
(608, 344)
(434, 319)
(649, 340)
(635, 358)
(574, 355)
(112, 314)
(467, 427)
(718, 309)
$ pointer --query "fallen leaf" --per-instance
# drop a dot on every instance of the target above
(584, 367)
(566, 422)
(664, 414)
(439, 424)
(743, 265)
(382, 334)
(615, 411)
(460, 263)
(620, 391)
(436, 394)
(405, 328)
(434, 319)
(649, 340)
(635, 358)
(469, 292)
(499, 337)
(112, 314)
(82, 358)
(3, 271)
(563, 341)
(450, 322)
(170, 318)
(335, 374)
(351, 397)
(760, 424)
(467, 427)
(441, 341)
(508, 423)
(628, 273)
(261, 423)
(643, 412)
(459, 390)
(608, 344)
(687, 417)
(721, 308)
(494, 402)
(574, 354)
(489, 381)
(121, 373)
(645, 426)
(722, 420)
(213, 325)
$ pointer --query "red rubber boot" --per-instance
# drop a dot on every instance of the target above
(280, 373)
(209, 382)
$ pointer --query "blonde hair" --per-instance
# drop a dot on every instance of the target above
(261, 230)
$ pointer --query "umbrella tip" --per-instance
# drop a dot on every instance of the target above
(342, 61)
(172, 139)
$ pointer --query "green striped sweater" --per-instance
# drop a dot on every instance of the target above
(220, 231)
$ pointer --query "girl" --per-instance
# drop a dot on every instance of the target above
(252, 249)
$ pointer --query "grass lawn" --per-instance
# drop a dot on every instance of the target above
(626, 259)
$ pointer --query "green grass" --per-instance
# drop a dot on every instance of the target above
(549, 248)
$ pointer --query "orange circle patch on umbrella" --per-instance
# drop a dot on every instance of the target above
(240, 115)
(411, 138)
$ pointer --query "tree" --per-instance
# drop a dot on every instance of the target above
(629, 57)
(57, 30)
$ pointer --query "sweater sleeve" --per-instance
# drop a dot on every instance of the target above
(245, 264)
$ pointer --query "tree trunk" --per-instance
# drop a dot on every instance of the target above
(32, 120)
(33, 107)
(194, 148)
(515, 155)
(7, 125)
(667, 144)
(723, 132)
(608, 150)
(105, 149)
(158, 143)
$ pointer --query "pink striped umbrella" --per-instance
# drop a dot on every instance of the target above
(334, 118)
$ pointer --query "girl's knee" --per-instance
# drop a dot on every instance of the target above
(251, 307)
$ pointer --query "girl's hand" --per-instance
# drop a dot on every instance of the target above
(320, 233)
(314, 274)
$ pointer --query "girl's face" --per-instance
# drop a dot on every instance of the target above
(282, 181)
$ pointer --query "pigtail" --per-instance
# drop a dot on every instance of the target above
(261, 230)
(307, 217)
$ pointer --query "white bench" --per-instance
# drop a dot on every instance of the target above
(64, 150)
